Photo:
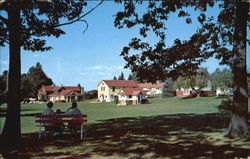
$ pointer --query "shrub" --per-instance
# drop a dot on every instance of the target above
(144, 101)
(226, 106)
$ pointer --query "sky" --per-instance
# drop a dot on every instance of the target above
(95, 55)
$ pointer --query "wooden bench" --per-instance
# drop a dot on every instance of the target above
(77, 121)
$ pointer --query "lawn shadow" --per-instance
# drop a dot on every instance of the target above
(163, 136)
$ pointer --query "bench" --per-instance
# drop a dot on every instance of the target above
(77, 121)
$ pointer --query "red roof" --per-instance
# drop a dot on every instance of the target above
(76, 89)
(150, 85)
(132, 91)
(64, 92)
(56, 88)
(121, 83)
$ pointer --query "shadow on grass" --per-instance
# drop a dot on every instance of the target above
(3, 112)
(173, 136)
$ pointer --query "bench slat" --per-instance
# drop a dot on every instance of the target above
(61, 121)
(60, 116)
(57, 125)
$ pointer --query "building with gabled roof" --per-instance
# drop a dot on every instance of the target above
(130, 96)
(152, 89)
(61, 93)
(108, 90)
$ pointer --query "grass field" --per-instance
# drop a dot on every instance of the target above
(101, 111)
(165, 128)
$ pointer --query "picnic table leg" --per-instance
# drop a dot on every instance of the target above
(85, 130)
(81, 131)
(40, 135)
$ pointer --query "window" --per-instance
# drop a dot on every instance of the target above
(102, 88)
(130, 96)
(113, 89)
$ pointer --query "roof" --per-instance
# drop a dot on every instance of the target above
(72, 88)
(64, 92)
(150, 85)
(121, 83)
(132, 91)
(56, 88)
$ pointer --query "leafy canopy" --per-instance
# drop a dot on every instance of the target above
(42, 19)
(157, 61)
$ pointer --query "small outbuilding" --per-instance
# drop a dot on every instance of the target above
(130, 96)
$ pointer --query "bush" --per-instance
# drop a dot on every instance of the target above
(144, 101)
(226, 106)
(60, 101)
(91, 94)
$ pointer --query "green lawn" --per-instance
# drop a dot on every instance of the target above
(165, 128)
(102, 111)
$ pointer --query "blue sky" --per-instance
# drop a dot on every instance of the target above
(94, 56)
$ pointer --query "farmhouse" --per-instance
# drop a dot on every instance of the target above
(184, 92)
(130, 96)
(108, 90)
(61, 93)
(152, 89)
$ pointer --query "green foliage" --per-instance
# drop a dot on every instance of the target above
(226, 106)
(121, 77)
(26, 87)
(130, 77)
(38, 78)
(41, 18)
(91, 94)
(114, 78)
(156, 61)
(168, 88)
(222, 79)
(199, 80)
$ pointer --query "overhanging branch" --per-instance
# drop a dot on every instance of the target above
(80, 18)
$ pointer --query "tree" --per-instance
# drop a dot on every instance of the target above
(26, 87)
(114, 78)
(3, 87)
(121, 77)
(221, 79)
(24, 25)
(130, 77)
(38, 78)
(198, 81)
(168, 88)
(223, 37)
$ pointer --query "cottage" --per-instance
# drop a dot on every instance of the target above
(130, 96)
(61, 93)
(184, 92)
(108, 90)
(152, 89)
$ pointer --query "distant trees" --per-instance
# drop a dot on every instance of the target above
(222, 79)
(121, 77)
(199, 80)
(38, 78)
(130, 77)
(168, 88)
(114, 78)
(31, 82)
(91, 94)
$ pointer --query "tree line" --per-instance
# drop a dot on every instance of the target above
(31, 82)
(221, 79)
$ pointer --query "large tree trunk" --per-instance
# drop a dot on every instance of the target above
(11, 134)
(238, 124)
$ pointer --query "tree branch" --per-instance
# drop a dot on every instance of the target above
(80, 18)
(4, 20)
